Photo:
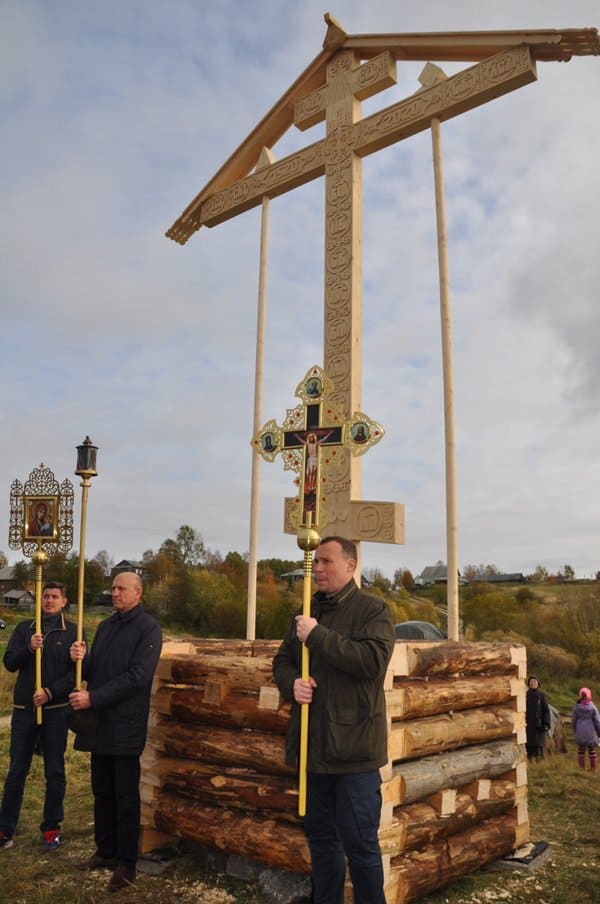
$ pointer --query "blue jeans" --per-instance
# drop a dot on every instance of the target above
(342, 820)
(24, 732)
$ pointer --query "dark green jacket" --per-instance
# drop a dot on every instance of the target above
(349, 651)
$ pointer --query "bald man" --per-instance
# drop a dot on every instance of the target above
(118, 670)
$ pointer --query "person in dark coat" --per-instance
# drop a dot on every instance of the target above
(350, 637)
(26, 736)
(537, 718)
(118, 669)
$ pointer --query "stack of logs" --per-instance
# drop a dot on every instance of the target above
(454, 789)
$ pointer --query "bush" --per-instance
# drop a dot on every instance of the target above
(551, 660)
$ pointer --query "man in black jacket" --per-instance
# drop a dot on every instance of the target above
(119, 670)
(26, 736)
(350, 637)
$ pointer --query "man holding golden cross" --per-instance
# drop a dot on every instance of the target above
(350, 637)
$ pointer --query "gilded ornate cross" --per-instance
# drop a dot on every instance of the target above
(313, 437)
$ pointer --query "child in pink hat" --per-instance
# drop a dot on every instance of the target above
(585, 720)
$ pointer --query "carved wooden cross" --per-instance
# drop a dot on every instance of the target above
(338, 158)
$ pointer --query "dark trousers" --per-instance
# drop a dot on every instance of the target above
(116, 787)
(24, 734)
(342, 820)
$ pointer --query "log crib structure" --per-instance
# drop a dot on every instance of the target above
(454, 789)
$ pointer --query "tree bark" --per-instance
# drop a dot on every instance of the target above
(420, 737)
(415, 780)
(454, 658)
(235, 671)
(188, 704)
(266, 840)
(421, 872)
(412, 698)
(201, 743)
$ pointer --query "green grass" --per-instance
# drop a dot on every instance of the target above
(564, 809)
(564, 805)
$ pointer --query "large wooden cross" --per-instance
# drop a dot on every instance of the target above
(338, 157)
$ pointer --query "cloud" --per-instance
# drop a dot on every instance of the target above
(114, 118)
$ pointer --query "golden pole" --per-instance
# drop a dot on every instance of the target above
(85, 485)
(308, 540)
(39, 558)
(86, 469)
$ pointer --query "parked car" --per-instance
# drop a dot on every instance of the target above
(418, 630)
(2, 624)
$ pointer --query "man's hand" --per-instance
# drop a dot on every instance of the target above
(40, 698)
(36, 642)
(78, 650)
(303, 690)
(304, 625)
(80, 700)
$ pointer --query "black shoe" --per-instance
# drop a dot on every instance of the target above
(96, 862)
(123, 877)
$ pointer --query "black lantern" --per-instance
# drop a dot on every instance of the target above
(86, 459)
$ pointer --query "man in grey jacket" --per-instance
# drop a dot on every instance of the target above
(350, 637)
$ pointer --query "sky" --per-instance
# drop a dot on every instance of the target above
(115, 115)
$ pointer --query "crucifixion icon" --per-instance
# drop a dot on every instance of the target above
(313, 439)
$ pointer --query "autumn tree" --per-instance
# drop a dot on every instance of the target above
(21, 573)
(3, 560)
(540, 574)
(479, 572)
(105, 561)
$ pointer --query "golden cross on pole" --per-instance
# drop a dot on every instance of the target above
(313, 438)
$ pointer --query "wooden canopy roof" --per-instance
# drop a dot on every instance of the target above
(546, 45)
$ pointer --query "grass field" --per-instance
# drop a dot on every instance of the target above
(564, 806)
(564, 811)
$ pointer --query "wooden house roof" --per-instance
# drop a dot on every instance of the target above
(545, 45)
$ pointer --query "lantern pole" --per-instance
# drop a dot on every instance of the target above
(86, 469)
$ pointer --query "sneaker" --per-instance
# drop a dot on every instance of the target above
(51, 840)
(5, 841)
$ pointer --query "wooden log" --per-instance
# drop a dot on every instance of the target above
(237, 672)
(419, 824)
(426, 870)
(420, 737)
(266, 840)
(258, 750)
(415, 780)
(416, 698)
(456, 658)
(241, 710)
(234, 647)
(245, 789)
(483, 842)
